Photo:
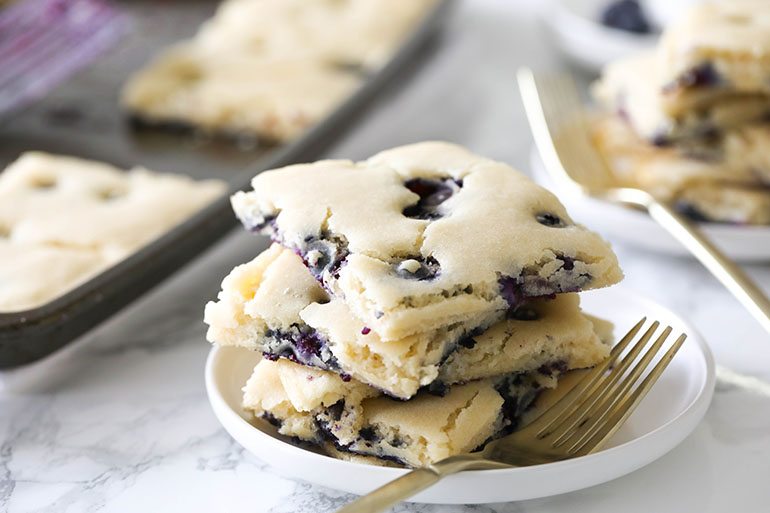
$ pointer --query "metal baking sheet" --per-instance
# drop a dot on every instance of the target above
(82, 118)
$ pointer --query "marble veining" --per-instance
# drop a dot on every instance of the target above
(119, 421)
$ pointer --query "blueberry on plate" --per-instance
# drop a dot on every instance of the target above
(626, 15)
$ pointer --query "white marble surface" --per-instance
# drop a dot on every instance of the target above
(120, 422)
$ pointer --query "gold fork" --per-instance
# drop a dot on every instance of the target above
(579, 416)
(560, 129)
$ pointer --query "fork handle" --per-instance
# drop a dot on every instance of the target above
(416, 481)
(394, 492)
(724, 269)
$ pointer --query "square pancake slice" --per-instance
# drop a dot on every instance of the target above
(720, 48)
(321, 408)
(268, 70)
(352, 33)
(725, 178)
(274, 305)
(235, 93)
(633, 89)
(32, 274)
(426, 236)
(63, 219)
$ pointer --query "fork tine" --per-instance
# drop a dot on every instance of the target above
(572, 138)
(555, 113)
(588, 408)
(627, 407)
(539, 105)
(593, 420)
(565, 405)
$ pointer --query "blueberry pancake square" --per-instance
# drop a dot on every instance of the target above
(321, 408)
(719, 49)
(274, 305)
(268, 70)
(70, 202)
(352, 33)
(32, 274)
(426, 235)
(235, 94)
(633, 89)
(725, 178)
(71, 218)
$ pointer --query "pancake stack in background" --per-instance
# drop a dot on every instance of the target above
(412, 306)
(688, 121)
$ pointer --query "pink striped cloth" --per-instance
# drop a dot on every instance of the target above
(42, 42)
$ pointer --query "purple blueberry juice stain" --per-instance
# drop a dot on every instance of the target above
(523, 313)
(515, 405)
(467, 342)
(702, 75)
(369, 434)
(309, 345)
(691, 211)
(351, 449)
(336, 409)
(510, 290)
(661, 140)
(556, 367)
(438, 388)
(432, 193)
(265, 223)
(621, 100)
(272, 419)
(528, 284)
(550, 220)
(323, 254)
(365, 330)
(301, 345)
(568, 263)
(429, 268)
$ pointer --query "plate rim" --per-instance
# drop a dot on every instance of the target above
(696, 407)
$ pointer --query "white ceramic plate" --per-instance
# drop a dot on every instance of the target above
(669, 413)
(741, 243)
(574, 29)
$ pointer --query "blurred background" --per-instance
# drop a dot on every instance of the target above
(103, 404)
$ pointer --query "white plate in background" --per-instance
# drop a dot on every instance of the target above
(741, 243)
(574, 28)
(670, 412)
